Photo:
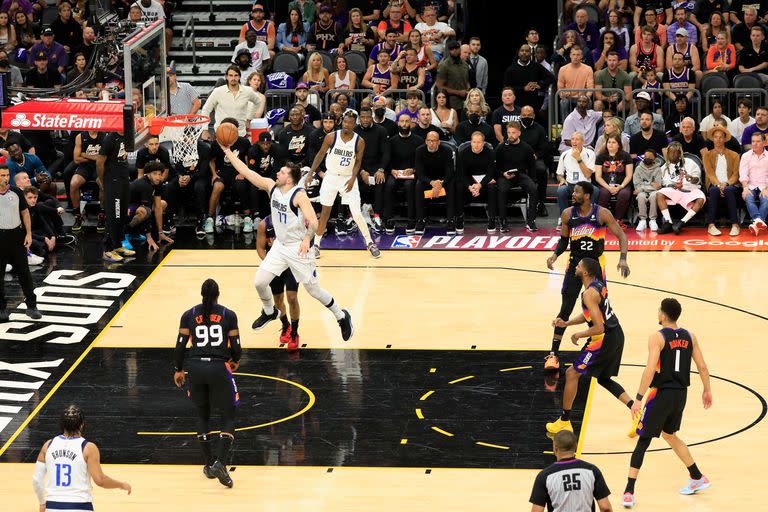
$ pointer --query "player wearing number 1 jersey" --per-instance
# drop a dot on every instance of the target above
(584, 226)
(601, 355)
(666, 379)
(212, 331)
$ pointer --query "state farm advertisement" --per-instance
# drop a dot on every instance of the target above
(101, 116)
(691, 239)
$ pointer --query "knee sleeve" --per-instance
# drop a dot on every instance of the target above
(611, 385)
(318, 293)
(636, 461)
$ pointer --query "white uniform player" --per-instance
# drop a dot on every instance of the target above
(343, 153)
(68, 478)
(70, 462)
(290, 230)
(295, 222)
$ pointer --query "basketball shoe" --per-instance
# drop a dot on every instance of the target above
(551, 363)
(628, 500)
(264, 319)
(293, 343)
(695, 486)
(558, 425)
(285, 335)
(221, 473)
(208, 472)
(347, 329)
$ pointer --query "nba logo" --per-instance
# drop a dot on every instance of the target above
(406, 242)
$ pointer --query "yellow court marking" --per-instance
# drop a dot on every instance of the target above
(307, 407)
(548, 452)
(419, 414)
(516, 368)
(489, 445)
(77, 362)
(404, 441)
(426, 395)
(444, 432)
(586, 417)
(461, 379)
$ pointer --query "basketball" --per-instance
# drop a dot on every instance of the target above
(226, 134)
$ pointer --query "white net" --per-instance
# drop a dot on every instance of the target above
(184, 132)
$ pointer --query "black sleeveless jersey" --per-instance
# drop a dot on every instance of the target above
(674, 367)
(610, 320)
(587, 234)
(90, 146)
(409, 78)
(210, 340)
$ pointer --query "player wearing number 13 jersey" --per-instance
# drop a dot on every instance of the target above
(666, 379)
(212, 331)
(601, 355)
(584, 227)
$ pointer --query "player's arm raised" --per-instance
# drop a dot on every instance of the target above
(255, 178)
(327, 141)
(565, 235)
(301, 201)
(592, 301)
(38, 479)
(358, 163)
(606, 217)
(655, 344)
(93, 459)
(701, 366)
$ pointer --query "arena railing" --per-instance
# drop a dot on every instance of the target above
(359, 94)
(734, 93)
(695, 104)
(279, 98)
(186, 43)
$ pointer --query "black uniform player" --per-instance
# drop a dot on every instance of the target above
(668, 373)
(86, 152)
(265, 157)
(601, 355)
(284, 284)
(584, 226)
(113, 171)
(145, 200)
(215, 354)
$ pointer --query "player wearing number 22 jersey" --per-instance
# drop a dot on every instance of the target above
(583, 226)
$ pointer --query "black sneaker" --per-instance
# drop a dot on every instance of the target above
(222, 474)
(78, 225)
(347, 330)
(389, 227)
(666, 227)
(531, 226)
(65, 240)
(374, 250)
(450, 227)
(200, 228)
(33, 313)
(264, 319)
(421, 226)
(677, 227)
(491, 226)
(4, 315)
(503, 226)
(460, 225)
(341, 227)
(168, 227)
(208, 472)
(542, 211)
(101, 223)
(410, 227)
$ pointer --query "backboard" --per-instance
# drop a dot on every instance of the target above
(146, 81)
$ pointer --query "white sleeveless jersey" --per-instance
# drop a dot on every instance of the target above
(287, 219)
(68, 477)
(340, 159)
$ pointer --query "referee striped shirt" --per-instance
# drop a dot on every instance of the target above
(569, 485)
(181, 102)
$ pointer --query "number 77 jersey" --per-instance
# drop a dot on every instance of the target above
(209, 338)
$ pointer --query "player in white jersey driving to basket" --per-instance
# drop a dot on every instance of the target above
(343, 153)
(70, 462)
(295, 226)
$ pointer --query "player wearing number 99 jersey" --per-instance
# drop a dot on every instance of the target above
(584, 227)
(215, 353)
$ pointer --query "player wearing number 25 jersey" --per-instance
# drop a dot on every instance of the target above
(70, 462)
(584, 227)
(666, 379)
(213, 333)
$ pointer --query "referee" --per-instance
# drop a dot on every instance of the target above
(570, 484)
(14, 243)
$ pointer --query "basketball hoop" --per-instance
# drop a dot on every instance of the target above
(183, 131)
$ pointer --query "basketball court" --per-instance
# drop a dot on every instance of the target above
(437, 403)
